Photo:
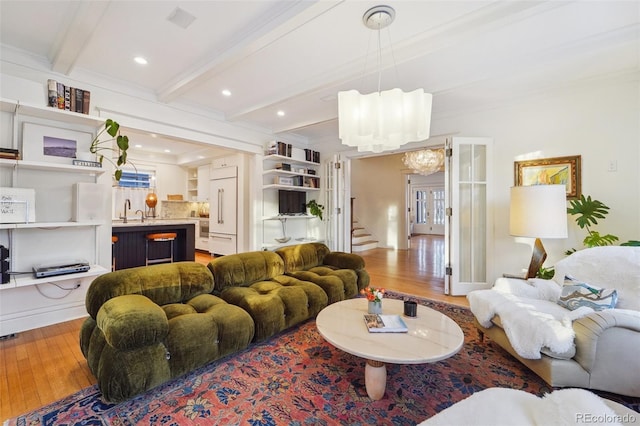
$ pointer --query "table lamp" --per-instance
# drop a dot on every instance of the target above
(538, 211)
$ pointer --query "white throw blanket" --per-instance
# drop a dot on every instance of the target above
(498, 406)
(529, 321)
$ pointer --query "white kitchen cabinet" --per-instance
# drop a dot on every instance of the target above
(223, 210)
(228, 161)
(203, 183)
(192, 184)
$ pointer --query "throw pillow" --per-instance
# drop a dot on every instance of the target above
(575, 294)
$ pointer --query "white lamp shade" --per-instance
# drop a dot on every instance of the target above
(383, 121)
(538, 211)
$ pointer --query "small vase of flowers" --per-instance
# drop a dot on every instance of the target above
(374, 297)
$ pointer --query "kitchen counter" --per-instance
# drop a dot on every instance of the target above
(152, 222)
(131, 248)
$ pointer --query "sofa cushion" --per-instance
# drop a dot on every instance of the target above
(607, 267)
(275, 306)
(576, 294)
(163, 284)
(243, 269)
(209, 329)
(339, 284)
(568, 354)
(118, 316)
(303, 256)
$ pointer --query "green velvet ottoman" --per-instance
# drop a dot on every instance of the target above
(150, 324)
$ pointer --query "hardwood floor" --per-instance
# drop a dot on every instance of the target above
(43, 365)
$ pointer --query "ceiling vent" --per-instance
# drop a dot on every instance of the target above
(181, 18)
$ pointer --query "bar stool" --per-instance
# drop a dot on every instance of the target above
(114, 240)
(160, 237)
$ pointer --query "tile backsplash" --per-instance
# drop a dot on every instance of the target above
(183, 209)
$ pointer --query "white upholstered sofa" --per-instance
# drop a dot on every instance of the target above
(570, 348)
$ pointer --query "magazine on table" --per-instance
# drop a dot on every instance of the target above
(379, 323)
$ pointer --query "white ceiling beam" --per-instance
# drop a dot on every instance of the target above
(82, 23)
(248, 43)
(463, 29)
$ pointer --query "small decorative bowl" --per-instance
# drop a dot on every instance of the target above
(283, 239)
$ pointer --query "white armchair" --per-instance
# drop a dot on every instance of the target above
(580, 348)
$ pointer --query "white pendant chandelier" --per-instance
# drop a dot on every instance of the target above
(426, 161)
(383, 120)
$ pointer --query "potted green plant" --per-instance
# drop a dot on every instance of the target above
(112, 128)
(315, 208)
(587, 212)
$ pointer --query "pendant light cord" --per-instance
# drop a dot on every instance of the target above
(379, 60)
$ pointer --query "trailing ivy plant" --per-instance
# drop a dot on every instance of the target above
(315, 208)
(112, 128)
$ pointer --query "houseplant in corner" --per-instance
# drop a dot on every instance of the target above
(315, 208)
(112, 128)
(587, 211)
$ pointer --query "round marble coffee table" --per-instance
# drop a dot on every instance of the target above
(432, 336)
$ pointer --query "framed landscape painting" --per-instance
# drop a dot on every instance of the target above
(550, 171)
(53, 144)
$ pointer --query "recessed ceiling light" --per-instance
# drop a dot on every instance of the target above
(167, 150)
(140, 60)
(153, 135)
(226, 92)
(138, 146)
(280, 113)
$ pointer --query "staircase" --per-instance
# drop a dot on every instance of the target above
(361, 240)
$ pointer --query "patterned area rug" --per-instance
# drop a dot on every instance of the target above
(296, 378)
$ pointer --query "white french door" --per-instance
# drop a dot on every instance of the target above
(467, 236)
(338, 204)
(428, 209)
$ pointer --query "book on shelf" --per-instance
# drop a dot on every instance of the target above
(380, 323)
(9, 153)
(52, 90)
(68, 98)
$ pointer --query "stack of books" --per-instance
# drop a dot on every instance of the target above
(11, 154)
(68, 98)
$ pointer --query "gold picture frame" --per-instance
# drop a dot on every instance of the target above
(551, 171)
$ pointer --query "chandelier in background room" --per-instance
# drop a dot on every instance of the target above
(383, 120)
(425, 161)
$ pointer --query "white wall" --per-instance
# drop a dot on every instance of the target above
(599, 121)
(377, 184)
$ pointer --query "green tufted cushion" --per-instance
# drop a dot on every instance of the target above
(213, 330)
(243, 269)
(341, 260)
(163, 284)
(303, 256)
(132, 321)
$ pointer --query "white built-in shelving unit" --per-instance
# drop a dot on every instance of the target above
(273, 223)
(25, 301)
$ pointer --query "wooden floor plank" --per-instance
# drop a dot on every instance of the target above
(43, 365)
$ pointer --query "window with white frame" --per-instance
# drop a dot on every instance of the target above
(134, 185)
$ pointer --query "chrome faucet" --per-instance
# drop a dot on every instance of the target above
(127, 202)
(141, 215)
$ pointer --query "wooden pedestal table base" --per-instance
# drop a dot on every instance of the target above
(375, 379)
(432, 337)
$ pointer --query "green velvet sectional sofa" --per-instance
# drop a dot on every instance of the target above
(150, 324)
